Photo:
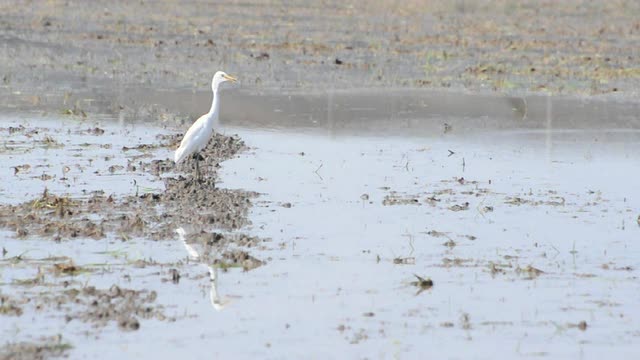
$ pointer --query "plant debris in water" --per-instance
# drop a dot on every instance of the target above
(422, 284)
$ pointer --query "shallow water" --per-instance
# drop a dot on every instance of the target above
(71, 155)
(356, 203)
(340, 249)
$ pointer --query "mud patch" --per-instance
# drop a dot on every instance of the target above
(103, 306)
(46, 348)
(154, 214)
(10, 306)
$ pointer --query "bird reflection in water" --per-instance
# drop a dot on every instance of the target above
(202, 254)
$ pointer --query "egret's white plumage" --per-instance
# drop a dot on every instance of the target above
(199, 134)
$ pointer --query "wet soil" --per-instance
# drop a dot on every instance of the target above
(151, 213)
(57, 48)
(45, 348)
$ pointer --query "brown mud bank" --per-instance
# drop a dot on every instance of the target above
(150, 214)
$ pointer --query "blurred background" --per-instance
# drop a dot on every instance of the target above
(560, 47)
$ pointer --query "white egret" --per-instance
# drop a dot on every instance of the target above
(199, 134)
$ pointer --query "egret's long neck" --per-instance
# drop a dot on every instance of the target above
(215, 104)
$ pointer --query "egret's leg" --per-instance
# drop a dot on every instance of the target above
(197, 167)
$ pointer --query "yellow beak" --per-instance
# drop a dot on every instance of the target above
(230, 78)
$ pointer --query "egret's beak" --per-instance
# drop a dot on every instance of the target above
(230, 78)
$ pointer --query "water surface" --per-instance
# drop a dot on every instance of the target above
(523, 212)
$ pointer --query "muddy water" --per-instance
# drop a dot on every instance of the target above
(522, 213)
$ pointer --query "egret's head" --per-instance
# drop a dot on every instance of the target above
(219, 78)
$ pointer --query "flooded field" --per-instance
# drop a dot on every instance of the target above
(418, 179)
(342, 224)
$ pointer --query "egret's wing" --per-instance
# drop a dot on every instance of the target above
(191, 141)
